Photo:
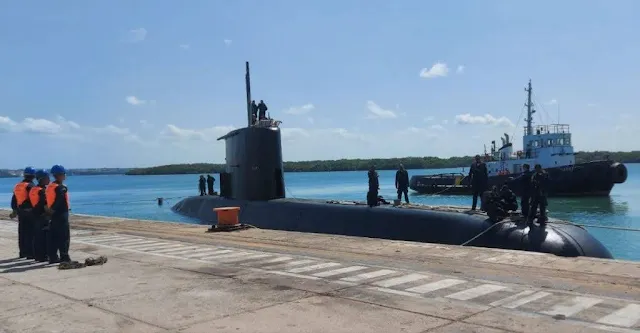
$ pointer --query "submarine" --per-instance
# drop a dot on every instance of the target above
(253, 180)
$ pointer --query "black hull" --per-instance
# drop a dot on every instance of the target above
(581, 180)
(387, 222)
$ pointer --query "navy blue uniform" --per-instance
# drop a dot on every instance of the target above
(40, 222)
(59, 230)
(21, 204)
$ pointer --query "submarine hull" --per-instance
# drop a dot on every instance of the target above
(443, 225)
(591, 179)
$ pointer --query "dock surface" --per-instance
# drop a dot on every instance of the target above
(171, 277)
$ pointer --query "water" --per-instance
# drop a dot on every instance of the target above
(134, 197)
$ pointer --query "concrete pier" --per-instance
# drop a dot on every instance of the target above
(170, 277)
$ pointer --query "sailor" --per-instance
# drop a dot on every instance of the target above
(262, 110)
(539, 182)
(402, 183)
(525, 188)
(479, 179)
(58, 208)
(40, 219)
(508, 199)
(374, 186)
(21, 206)
(254, 112)
(210, 181)
(202, 185)
(493, 204)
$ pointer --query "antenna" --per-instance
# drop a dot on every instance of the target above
(530, 110)
(558, 106)
(247, 79)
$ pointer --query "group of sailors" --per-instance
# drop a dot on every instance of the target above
(402, 186)
(258, 111)
(205, 185)
(499, 202)
(42, 209)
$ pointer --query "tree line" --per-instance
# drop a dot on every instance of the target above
(428, 162)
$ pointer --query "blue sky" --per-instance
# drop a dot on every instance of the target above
(122, 83)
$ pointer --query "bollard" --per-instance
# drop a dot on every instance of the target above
(228, 220)
(160, 201)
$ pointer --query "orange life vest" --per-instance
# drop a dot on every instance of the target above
(50, 194)
(34, 195)
(21, 192)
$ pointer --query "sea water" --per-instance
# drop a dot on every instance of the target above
(135, 197)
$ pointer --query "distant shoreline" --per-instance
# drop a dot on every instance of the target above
(411, 163)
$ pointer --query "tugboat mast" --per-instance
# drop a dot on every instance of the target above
(530, 110)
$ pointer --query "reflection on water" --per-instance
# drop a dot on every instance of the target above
(596, 205)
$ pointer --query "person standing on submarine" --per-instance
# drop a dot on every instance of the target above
(374, 186)
(254, 112)
(525, 188)
(262, 110)
(479, 179)
(539, 183)
(210, 181)
(402, 183)
(202, 185)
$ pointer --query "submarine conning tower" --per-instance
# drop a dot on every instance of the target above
(254, 168)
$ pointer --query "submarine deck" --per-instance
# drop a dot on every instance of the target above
(172, 277)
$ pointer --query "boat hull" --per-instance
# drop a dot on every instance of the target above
(443, 225)
(595, 178)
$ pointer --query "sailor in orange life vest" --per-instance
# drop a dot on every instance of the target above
(58, 209)
(21, 207)
(40, 219)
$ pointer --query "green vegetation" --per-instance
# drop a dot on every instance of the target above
(363, 164)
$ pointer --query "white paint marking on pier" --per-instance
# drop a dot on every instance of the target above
(313, 267)
(295, 275)
(228, 255)
(512, 298)
(367, 276)
(210, 253)
(289, 264)
(395, 292)
(148, 247)
(179, 252)
(625, 317)
(173, 250)
(525, 300)
(400, 280)
(475, 292)
(576, 305)
(103, 238)
(273, 261)
(130, 243)
(339, 271)
(169, 248)
(433, 286)
(251, 257)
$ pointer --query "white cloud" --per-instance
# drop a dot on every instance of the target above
(185, 46)
(438, 128)
(460, 69)
(487, 119)
(377, 112)
(133, 100)
(298, 110)
(38, 125)
(204, 134)
(310, 120)
(227, 42)
(552, 102)
(591, 105)
(429, 119)
(137, 35)
(437, 70)
(445, 121)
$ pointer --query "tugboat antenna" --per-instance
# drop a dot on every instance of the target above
(247, 79)
(530, 110)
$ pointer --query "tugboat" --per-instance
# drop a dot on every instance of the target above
(547, 145)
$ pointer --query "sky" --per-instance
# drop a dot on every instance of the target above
(149, 82)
